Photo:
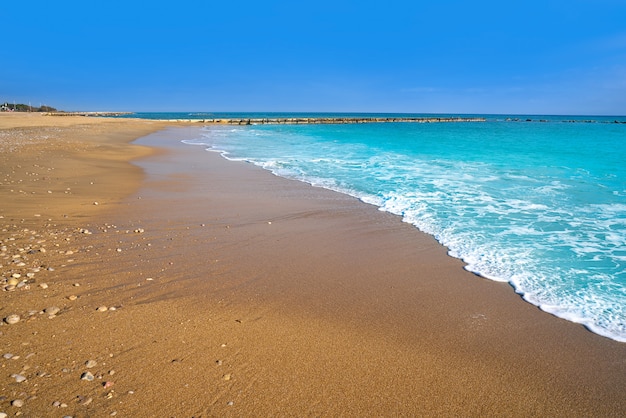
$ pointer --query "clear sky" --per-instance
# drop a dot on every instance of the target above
(445, 56)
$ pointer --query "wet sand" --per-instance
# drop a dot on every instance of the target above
(235, 292)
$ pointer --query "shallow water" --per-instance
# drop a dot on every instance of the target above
(541, 205)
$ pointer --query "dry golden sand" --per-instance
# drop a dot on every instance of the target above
(243, 294)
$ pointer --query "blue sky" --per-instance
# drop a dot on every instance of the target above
(537, 57)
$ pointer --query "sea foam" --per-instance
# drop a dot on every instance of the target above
(502, 196)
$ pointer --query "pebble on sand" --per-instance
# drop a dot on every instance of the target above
(102, 308)
(86, 401)
(90, 364)
(87, 376)
(12, 319)
(52, 310)
(18, 403)
(19, 378)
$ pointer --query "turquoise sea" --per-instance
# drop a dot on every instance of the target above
(536, 201)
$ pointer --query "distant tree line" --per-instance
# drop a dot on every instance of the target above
(20, 107)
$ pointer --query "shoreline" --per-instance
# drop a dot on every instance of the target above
(355, 267)
(236, 292)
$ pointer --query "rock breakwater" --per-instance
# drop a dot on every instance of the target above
(328, 120)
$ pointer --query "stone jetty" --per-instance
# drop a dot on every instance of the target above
(325, 120)
(286, 121)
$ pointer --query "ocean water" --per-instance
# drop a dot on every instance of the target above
(540, 204)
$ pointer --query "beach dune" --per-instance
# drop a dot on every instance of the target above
(198, 286)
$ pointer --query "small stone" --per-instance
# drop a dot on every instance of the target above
(86, 401)
(7, 356)
(107, 384)
(16, 275)
(56, 404)
(90, 364)
(95, 203)
(3, 415)
(72, 297)
(87, 376)
(43, 285)
(18, 378)
(230, 403)
(227, 377)
(52, 310)
(12, 319)
(18, 403)
(102, 308)
(12, 281)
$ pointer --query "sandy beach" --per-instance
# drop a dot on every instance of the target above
(153, 278)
